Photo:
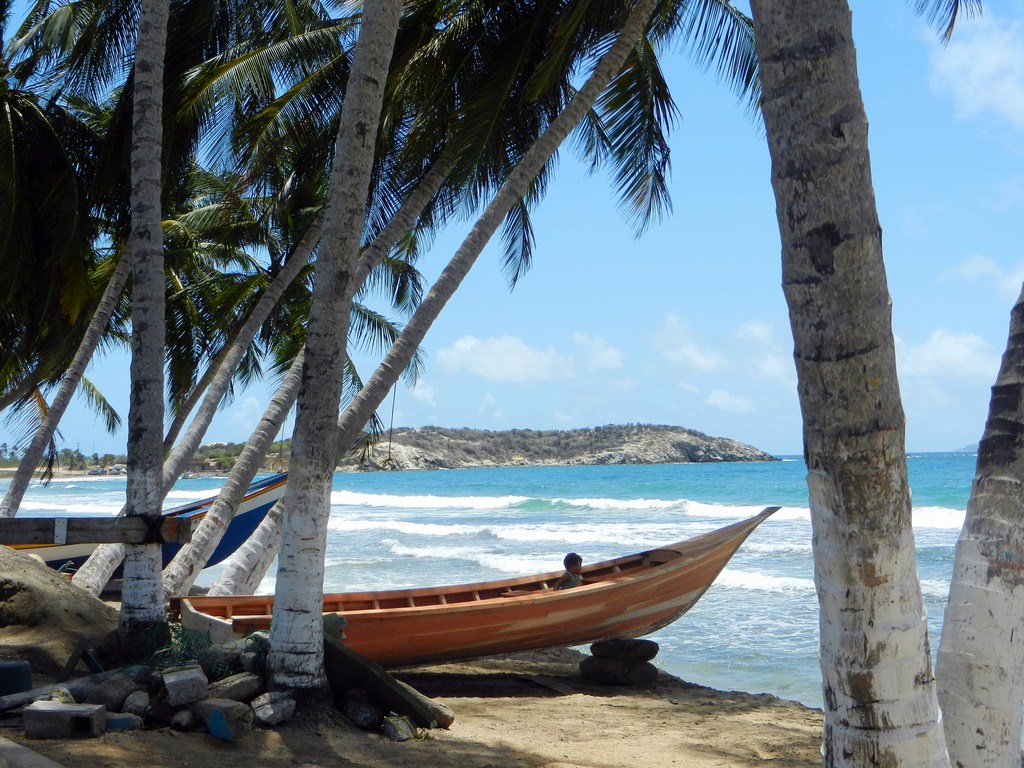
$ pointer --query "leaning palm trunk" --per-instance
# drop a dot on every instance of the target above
(880, 700)
(980, 666)
(295, 659)
(247, 567)
(96, 571)
(240, 579)
(243, 574)
(511, 192)
(44, 434)
(180, 574)
(142, 605)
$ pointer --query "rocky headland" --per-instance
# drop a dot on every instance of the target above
(443, 448)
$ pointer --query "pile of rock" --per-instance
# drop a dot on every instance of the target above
(141, 697)
(621, 662)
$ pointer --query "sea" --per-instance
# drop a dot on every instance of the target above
(754, 630)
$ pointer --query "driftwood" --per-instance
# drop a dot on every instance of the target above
(79, 687)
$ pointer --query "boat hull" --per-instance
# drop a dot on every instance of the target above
(627, 597)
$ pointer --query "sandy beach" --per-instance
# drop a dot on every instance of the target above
(524, 711)
(529, 710)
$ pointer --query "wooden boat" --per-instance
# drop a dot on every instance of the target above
(259, 498)
(626, 597)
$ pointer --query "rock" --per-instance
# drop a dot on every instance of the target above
(250, 661)
(43, 616)
(56, 720)
(224, 718)
(398, 728)
(136, 703)
(243, 686)
(59, 694)
(184, 685)
(183, 720)
(618, 672)
(123, 721)
(273, 708)
(355, 705)
(625, 649)
(112, 692)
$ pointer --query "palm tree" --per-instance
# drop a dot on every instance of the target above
(979, 667)
(295, 659)
(142, 606)
(880, 693)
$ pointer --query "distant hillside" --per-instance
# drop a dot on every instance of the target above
(441, 448)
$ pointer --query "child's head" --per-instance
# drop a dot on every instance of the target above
(572, 562)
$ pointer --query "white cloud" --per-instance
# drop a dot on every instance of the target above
(599, 355)
(486, 407)
(246, 414)
(424, 393)
(504, 359)
(982, 68)
(679, 347)
(977, 267)
(724, 401)
(948, 355)
(756, 331)
(769, 361)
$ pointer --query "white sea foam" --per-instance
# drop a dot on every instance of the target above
(939, 517)
(353, 499)
(751, 581)
(632, 504)
(84, 507)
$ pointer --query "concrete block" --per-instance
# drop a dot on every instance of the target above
(55, 720)
(224, 718)
(185, 685)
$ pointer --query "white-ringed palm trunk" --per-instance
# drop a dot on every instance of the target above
(980, 666)
(180, 574)
(247, 567)
(142, 605)
(44, 433)
(881, 706)
(295, 659)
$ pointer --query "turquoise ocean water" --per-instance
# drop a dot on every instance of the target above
(754, 630)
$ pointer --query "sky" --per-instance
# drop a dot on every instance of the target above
(687, 324)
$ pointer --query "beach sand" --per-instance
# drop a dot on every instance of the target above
(524, 710)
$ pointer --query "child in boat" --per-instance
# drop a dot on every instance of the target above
(573, 566)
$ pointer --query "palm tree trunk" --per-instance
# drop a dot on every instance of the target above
(295, 659)
(90, 341)
(180, 574)
(142, 605)
(511, 192)
(880, 701)
(980, 666)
